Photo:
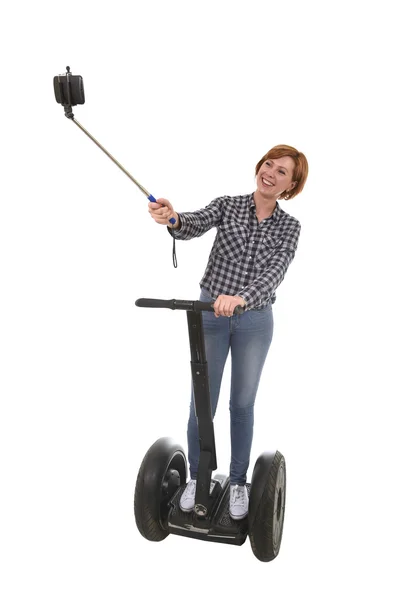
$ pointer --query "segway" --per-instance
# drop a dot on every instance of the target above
(162, 476)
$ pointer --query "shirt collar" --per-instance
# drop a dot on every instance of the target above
(275, 215)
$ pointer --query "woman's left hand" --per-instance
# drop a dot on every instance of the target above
(225, 305)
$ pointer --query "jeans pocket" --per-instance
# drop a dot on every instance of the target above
(261, 316)
(205, 296)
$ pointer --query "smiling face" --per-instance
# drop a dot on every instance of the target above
(275, 176)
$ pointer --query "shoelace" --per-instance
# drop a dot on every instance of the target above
(190, 489)
(238, 495)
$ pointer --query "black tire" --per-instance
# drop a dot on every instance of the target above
(267, 506)
(162, 471)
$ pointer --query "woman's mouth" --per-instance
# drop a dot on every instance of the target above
(267, 182)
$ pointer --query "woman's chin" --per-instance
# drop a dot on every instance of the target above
(267, 194)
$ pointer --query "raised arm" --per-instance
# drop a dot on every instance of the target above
(188, 224)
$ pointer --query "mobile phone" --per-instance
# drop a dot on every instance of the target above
(69, 89)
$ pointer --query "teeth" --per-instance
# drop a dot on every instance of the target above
(266, 182)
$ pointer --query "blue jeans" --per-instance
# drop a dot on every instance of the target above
(248, 336)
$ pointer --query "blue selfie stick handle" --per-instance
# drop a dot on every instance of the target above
(152, 199)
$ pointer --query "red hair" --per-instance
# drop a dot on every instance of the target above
(300, 169)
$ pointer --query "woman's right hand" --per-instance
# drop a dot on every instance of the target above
(162, 211)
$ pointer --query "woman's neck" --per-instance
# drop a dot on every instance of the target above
(264, 206)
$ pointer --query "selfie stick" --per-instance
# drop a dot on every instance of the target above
(69, 114)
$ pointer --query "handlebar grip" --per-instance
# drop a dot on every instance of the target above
(199, 306)
(238, 310)
(155, 303)
(152, 199)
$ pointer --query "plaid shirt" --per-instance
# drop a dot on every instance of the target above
(248, 259)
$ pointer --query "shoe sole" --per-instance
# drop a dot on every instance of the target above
(239, 517)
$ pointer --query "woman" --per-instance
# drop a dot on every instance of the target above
(255, 243)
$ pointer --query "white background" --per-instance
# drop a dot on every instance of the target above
(188, 96)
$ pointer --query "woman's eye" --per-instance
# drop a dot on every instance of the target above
(267, 163)
(282, 172)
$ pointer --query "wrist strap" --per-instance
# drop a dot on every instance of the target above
(174, 249)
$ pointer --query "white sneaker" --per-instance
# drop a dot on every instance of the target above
(238, 502)
(187, 500)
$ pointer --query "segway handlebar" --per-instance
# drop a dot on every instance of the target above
(192, 305)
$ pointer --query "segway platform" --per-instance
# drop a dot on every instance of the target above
(220, 527)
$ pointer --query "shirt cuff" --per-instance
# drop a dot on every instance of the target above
(181, 233)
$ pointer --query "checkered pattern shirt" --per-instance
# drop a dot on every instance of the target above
(248, 259)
